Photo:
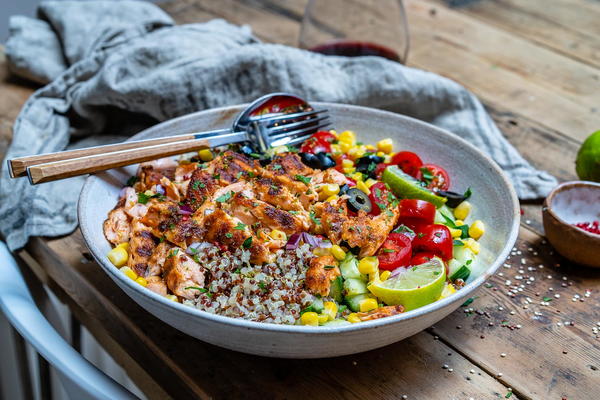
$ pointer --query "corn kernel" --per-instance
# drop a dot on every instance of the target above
(129, 273)
(347, 163)
(353, 318)
(370, 182)
(278, 235)
(336, 149)
(310, 318)
(380, 154)
(321, 251)
(459, 222)
(348, 171)
(360, 185)
(384, 275)
(142, 281)
(330, 309)
(385, 145)
(367, 305)
(330, 189)
(473, 245)
(370, 147)
(124, 245)
(477, 229)
(118, 256)
(205, 155)
(172, 297)
(356, 152)
(462, 210)
(332, 199)
(448, 290)
(387, 159)
(455, 232)
(347, 137)
(337, 252)
(344, 146)
(279, 149)
(322, 318)
(333, 132)
(357, 176)
(368, 265)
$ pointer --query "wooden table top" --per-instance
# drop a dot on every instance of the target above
(535, 64)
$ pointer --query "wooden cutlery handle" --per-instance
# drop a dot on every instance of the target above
(99, 162)
(18, 166)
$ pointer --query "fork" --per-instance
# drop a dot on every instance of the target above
(265, 131)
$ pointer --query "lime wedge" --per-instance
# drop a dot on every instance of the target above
(587, 164)
(415, 287)
(407, 187)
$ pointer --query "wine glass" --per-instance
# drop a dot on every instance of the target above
(356, 28)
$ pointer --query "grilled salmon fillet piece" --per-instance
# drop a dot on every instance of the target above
(157, 285)
(168, 223)
(364, 231)
(230, 167)
(266, 214)
(381, 312)
(181, 272)
(116, 227)
(288, 170)
(272, 192)
(157, 259)
(201, 187)
(225, 230)
(141, 247)
(320, 273)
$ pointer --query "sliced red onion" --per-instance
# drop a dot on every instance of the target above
(196, 247)
(184, 209)
(397, 271)
(325, 244)
(293, 242)
(160, 189)
(311, 240)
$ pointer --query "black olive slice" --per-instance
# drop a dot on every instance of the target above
(358, 200)
(310, 160)
(343, 189)
(326, 161)
(454, 199)
(368, 164)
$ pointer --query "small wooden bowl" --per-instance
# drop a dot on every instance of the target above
(567, 204)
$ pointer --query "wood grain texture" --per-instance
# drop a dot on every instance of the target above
(100, 162)
(201, 368)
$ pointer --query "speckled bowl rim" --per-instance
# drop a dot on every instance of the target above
(321, 331)
(566, 186)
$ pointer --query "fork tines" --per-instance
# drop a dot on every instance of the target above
(287, 116)
(297, 136)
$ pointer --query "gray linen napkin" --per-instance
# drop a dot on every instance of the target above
(126, 61)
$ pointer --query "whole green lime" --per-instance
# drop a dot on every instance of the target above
(587, 164)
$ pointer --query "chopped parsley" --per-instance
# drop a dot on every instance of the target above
(293, 212)
(276, 167)
(240, 226)
(239, 174)
(262, 286)
(247, 243)
(469, 301)
(420, 234)
(303, 179)
(457, 242)
(464, 229)
(143, 198)
(388, 250)
(427, 176)
(224, 198)
(467, 193)
(547, 299)
(329, 267)
(198, 184)
(216, 176)
(173, 253)
(254, 155)
(229, 235)
(314, 219)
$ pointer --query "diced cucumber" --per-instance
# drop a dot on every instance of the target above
(317, 305)
(447, 211)
(453, 266)
(353, 287)
(336, 322)
(463, 254)
(462, 273)
(336, 289)
(354, 301)
(349, 268)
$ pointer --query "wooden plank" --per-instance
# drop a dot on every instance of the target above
(505, 71)
(201, 368)
(543, 360)
(568, 27)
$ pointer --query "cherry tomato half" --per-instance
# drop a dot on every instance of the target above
(415, 212)
(421, 257)
(435, 238)
(394, 252)
(315, 145)
(436, 177)
(381, 198)
(408, 162)
(325, 136)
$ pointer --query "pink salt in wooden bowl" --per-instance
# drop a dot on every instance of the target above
(570, 203)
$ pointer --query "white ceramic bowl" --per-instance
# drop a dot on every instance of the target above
(494, 201)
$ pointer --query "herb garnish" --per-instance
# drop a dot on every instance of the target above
(240, 226)
(224, 198)
(316, 220)
(247, 243)
(229, 235)
(132, 180)
(547, 299)
(388, 250)
(329, 267)
(457, 242)
(303, 179)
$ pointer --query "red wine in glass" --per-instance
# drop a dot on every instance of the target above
(351, 48)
